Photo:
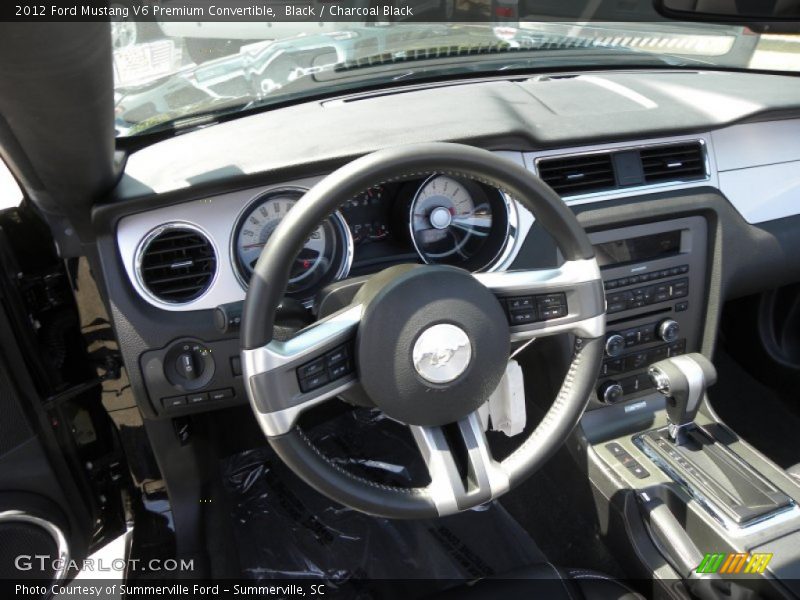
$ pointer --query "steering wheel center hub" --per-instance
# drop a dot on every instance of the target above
(433, 343)
(442, 353)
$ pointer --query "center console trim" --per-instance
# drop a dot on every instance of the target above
(777, 516)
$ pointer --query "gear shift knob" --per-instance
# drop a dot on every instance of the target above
(683, 380)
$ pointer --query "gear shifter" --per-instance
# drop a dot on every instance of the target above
(683, 380)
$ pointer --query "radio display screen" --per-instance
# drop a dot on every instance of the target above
(638, 249)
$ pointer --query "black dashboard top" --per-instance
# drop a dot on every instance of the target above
(502, 114)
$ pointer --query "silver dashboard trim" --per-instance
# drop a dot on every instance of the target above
(216, 216)
(512, 223)
(534, 158)
(349, 247)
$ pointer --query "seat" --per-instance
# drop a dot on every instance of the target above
(546, 581)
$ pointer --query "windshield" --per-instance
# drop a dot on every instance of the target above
(172, 74)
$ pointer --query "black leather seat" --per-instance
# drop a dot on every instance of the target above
(546, 581)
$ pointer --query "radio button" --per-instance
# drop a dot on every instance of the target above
(658, 353)
(610, 392)
(636, 361)
(668, 330)
(615, 307)
(615, 344)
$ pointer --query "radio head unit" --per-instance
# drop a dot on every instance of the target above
(654, 277)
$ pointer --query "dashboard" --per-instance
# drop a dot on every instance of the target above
(200, 255)
(665, 170)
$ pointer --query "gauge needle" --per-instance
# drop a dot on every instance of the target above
(256, 245)
(474, 221)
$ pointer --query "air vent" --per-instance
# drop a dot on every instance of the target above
(579, 174)
(674, 162)
(177, 264)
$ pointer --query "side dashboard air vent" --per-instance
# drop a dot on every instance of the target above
(579, 174)
(673, 162)
(176, 263)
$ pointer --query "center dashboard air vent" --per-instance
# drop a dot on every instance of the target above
(176, 263)
(578, 174)
(673, 162)
(572, 175)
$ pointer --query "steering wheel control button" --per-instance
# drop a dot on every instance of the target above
(321, 371)
(310, 369)
(442, 353)
(522, 310)
(314, 382)
(433, 343)
(522, 303)
(522, 316)
(337, 356)
(338, 370)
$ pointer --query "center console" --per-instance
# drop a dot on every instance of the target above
(655, 282)
(690, 492)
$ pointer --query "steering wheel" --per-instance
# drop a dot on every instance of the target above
(428, 344)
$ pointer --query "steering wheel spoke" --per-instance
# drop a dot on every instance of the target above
(286, 378)
(455, 487)
(543, 302)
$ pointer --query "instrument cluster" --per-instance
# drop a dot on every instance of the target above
(438, 220)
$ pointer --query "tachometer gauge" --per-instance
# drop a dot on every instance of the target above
(458, 222)
(325, 257)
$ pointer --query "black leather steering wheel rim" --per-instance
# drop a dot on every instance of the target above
(271, 274)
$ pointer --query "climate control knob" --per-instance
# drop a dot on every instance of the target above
(668, 330)
(610, 392)
(615, 344)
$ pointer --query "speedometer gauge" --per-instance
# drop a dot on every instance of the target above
(458, 222)
(325, 257)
